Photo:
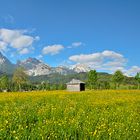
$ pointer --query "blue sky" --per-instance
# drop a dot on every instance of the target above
(102, 34)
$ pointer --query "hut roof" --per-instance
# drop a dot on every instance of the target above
(75, 81)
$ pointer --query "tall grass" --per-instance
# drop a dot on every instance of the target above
(66, 116)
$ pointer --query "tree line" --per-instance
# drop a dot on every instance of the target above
(116, 80)
(20, 82)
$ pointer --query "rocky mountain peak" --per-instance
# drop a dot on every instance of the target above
(35, 67)
(80, 68)
(5, 65)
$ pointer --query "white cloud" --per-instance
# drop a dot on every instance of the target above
(37, 38)
(98, 57)
(54, 49)
(22, 42)
(115, 63)
(17, 39)
(132, 71)
(39, 56)
(9, 35)
(109, 61)
(87, 58)
(24, 51)
(75, 45)
(106, 60)
(113, 55)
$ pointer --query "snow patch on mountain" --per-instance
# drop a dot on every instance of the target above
(63, 70)
(35, 67)
(80, 68)
(2, 60)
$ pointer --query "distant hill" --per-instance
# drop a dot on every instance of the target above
(58, 78)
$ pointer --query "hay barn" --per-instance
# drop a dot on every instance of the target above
(75, 85)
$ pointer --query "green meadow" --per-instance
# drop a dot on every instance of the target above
(54, 115)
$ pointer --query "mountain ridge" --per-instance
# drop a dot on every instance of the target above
(35, 67)
(5, 65)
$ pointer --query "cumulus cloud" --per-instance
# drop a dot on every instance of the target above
(132, 71)
(54, 49)
(22, 42)
(17, 39)
(98, 57)
(113, 55)
(106, 60)
(87, 58)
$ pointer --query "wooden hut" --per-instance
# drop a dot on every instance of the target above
(75, 85)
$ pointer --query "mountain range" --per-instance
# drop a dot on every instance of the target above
(39, 71)
(35, 67)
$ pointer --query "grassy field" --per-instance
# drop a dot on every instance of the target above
(113, 115)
